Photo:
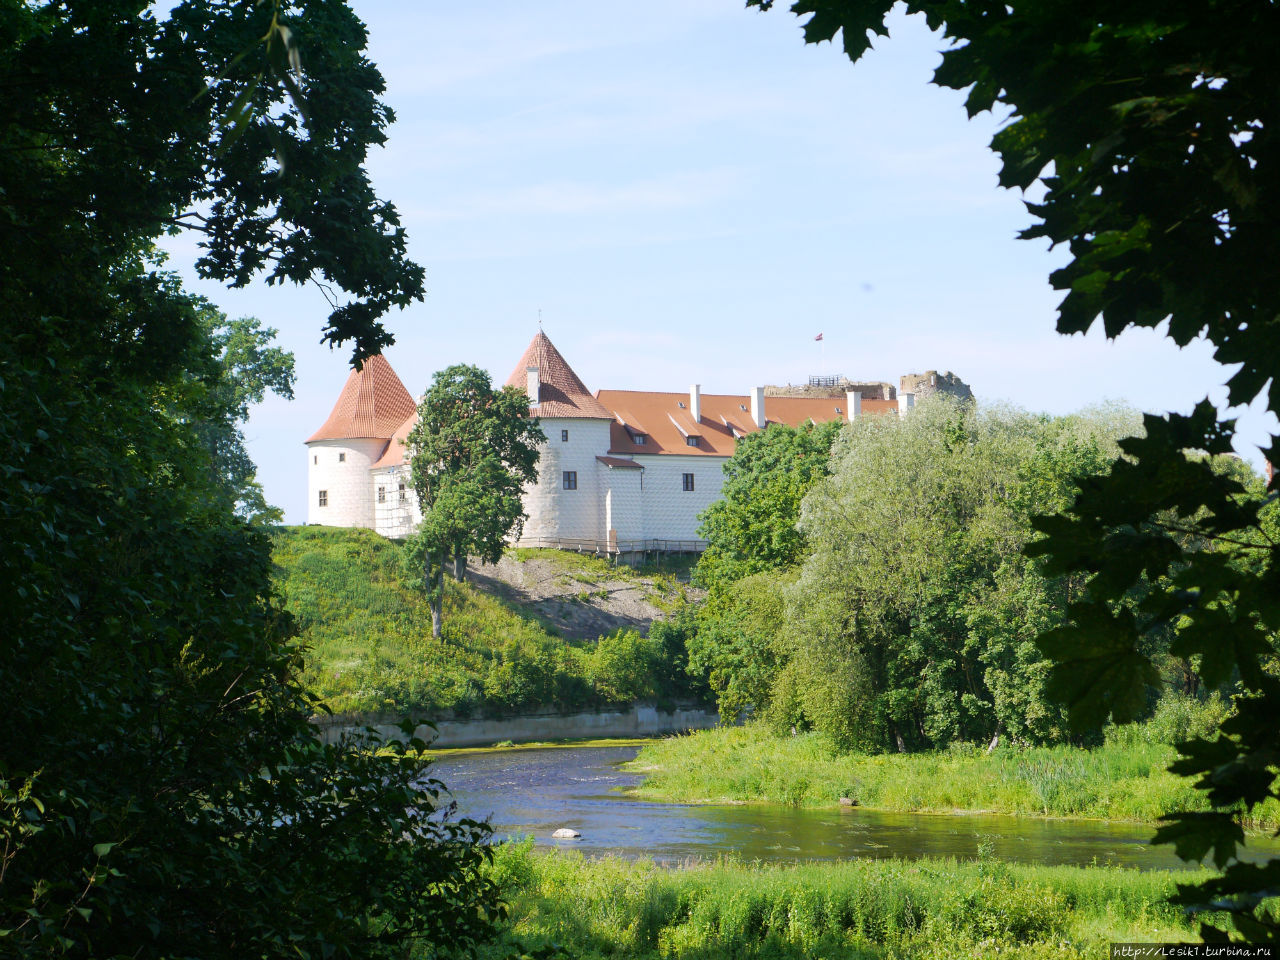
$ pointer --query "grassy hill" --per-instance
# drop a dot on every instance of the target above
(368, 632)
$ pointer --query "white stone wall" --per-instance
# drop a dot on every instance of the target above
(556, 513)
(623, 502)
(341, 468)
(669, 511)
(395, 517)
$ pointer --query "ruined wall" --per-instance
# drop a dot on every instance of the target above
(931, 381)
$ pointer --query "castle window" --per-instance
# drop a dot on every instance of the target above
(315, 458)
(688, 482)
(569, 479)
(342, 458)
(690, 441)
(564, 436)
(402, 491)
(324, 498)
(382, 494)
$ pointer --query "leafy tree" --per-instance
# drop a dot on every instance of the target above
(913, 621)
(752, 527)
(1151, 128)
(472, 451)
(238, 370)
(162, 790)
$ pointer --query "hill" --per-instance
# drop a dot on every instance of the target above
(542, 629)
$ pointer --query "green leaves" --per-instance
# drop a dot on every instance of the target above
(1098, 671)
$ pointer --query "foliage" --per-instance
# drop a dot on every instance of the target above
(737, 642)
(240, 369)
(752, 527)
(369, 650)
(1149, 127)
(472, 451)
(860, 908)
(911, 621)
(162, 791)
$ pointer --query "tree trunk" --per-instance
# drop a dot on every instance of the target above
(436, 593)
(460, 565)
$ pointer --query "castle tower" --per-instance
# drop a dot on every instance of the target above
(566, 502)
(373, 403)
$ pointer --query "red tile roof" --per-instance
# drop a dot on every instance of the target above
(560, 392)
(665, 424)
(393, 456)
(372, 404)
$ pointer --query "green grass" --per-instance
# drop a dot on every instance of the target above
(1117, 781)
(663, 581)
(858, 909)
(369, 632)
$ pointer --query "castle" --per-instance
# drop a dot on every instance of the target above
(621, 471)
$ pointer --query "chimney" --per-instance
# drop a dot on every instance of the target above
(853, 401)
(906, 402)
(757, 406)
(695, 402)
(532, 385)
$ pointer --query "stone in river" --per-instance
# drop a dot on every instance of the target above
(848, 802)
(564, 833)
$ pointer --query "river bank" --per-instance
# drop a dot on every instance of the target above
(860, 909)
(1117, 781)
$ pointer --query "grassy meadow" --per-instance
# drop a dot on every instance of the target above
(1124, 779)
(858, 909)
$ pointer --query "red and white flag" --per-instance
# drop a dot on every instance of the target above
(818, 337)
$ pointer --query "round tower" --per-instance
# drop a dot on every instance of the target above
(341, 454)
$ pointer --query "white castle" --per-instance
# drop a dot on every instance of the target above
(621, 471)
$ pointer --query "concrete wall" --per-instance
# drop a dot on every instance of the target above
(341, 468)
(671, 512)
(637, 721)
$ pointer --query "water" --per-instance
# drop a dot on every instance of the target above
(534, 792)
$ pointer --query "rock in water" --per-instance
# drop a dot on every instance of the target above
(564, 833)
(848, 802)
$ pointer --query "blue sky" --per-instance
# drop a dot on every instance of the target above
(688, 193)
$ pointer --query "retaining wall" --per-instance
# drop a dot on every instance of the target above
(640, 720)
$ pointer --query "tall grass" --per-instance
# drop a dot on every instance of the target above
(1125, 779)
(865, 908)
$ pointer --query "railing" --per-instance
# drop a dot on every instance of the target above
(825, 381)
(613, 547)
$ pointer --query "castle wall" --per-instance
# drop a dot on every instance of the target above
(555, 512)
(341, 469)
(623, 502)
(395, 510)
(670, 512)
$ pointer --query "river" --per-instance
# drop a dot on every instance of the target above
(535, 791)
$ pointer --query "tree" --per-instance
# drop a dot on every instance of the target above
(1152, 129)
(916, 592)
(752, 527)
(237, 371)
(163, 792)
(472, 451)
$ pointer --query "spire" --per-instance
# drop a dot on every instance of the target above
(560, 392)
(372, 404)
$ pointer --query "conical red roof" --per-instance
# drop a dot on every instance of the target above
(372, 404)
(560, 392)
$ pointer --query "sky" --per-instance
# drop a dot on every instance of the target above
(684, 192)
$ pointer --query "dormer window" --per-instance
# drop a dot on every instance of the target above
(680, 404)
(838, 410)
(639, 439)
(690, 441)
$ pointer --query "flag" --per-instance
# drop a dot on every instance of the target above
(818, 337)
